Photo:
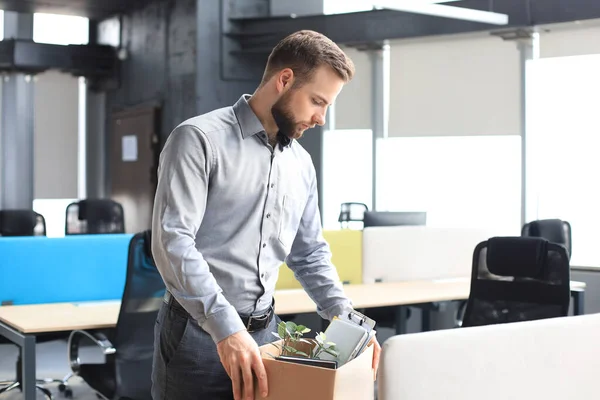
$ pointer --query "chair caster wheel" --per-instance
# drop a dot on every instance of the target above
(62, 387)
(68, 393)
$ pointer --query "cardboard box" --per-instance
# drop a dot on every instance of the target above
(289, 381)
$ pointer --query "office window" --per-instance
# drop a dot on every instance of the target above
(60, 29)
(460, 181)
(347, 171)
(562, 148)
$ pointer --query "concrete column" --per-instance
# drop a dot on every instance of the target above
(95, 144)
(17, 122)
(527, 42)
(380, 103)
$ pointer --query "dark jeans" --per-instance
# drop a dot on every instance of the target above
(186, 364)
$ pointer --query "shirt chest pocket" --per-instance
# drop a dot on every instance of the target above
(289, 221)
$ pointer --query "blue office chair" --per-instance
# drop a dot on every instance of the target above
(129, 347)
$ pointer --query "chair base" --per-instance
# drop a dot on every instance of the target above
(16, 385)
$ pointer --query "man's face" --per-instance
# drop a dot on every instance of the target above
(301, 108)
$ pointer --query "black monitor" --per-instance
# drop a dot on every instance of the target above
(394, 218)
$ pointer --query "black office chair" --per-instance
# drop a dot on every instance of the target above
(22, 222)
(94, 216)
(351, 212)
(554, 230)
(518, 279)
(129, 347)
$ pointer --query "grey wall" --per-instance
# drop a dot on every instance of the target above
(173, 57)
(160, 47)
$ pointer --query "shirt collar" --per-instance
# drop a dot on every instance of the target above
(249, 122)
(250, 125)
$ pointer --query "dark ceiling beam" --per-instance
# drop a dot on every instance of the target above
(257, 35)
(96, 62)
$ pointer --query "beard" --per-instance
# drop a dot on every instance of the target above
(286, 123)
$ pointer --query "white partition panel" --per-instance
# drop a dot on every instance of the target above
(406, 253)
(552, 359)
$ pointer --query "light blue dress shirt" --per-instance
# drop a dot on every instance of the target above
(229, 210)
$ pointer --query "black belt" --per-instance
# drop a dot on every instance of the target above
(252, 323)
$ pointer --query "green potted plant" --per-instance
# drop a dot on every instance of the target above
(292, 343)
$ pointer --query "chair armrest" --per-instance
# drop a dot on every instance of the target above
(73, 346)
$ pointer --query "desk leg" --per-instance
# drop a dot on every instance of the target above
(578, 300)
(425, 319)
(400, 320)
(27, 351)
(28, 368)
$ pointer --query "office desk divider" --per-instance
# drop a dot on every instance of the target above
(77, 268)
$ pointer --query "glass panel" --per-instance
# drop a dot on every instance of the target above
(461, 182)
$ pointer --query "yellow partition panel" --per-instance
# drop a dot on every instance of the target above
(346, 250)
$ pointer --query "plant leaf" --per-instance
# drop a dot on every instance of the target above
(281, 329)
(332, 352)
(290, 326)
(302, 329)
(290, 349)
(301, 353)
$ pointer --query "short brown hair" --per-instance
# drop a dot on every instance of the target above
(303, 52)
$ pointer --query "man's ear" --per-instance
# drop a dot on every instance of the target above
(285, 80)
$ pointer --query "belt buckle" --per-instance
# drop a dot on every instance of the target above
(258, 318)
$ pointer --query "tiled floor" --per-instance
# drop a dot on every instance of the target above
(51, 363)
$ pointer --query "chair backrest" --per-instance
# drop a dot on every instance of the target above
(518, 279)
(22, 222)
(94, 216)
(134, 334)
(550, 359)
(394, 218)
(351, 211)
(554, 230)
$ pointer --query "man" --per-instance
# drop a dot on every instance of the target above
(236, 198)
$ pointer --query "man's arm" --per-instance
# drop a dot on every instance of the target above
(310, 259)
(185, 166)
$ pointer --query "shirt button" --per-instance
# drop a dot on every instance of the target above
(268, 215)
(264, 245)
(272, 185)
(262, 275)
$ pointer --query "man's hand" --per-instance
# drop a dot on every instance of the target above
(376, 353)
(240, 356)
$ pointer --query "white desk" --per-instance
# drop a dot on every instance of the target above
(20, 324)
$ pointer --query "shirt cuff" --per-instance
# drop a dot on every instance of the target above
(337, 309)
(223, 324)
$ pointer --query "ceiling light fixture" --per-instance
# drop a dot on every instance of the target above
(441, 10)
